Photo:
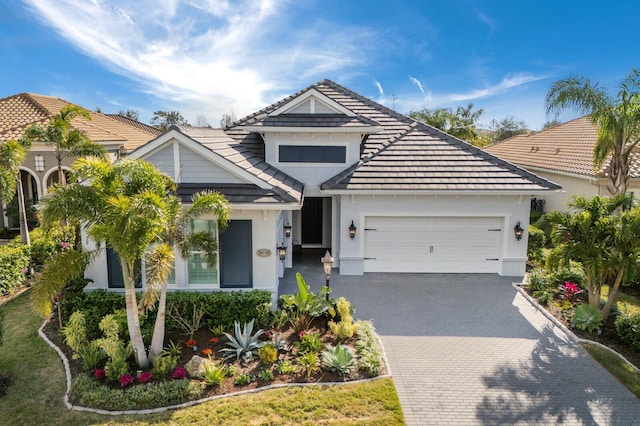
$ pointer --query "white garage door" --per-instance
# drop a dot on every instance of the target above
(432, 244)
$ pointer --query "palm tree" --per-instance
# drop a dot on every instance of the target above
(177, 235)
(65, 140)
(12, 154)
(617, 119)
(605, 243)
(129, 207)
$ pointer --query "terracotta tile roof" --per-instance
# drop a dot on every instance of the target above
(284, 188)
(20, 111)
(566, 148)
(406, 155)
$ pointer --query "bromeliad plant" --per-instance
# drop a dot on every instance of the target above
(244, 344)
(570, 291)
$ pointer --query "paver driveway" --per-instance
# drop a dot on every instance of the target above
(469, 349)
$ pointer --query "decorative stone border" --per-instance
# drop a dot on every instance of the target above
(572, 336)
(70, 406)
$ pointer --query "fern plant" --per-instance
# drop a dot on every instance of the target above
(338, 359)
(244, 344)
(588, 318)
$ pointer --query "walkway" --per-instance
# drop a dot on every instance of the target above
(469, 349)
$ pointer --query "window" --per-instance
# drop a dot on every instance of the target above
(171, 278)
(199, 270)
(312, 154)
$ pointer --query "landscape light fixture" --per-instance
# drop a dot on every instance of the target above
(518, 231)
(352, 230)
(327, 262)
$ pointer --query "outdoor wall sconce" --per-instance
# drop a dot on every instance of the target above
(518, 231)
(287, 230)
(39, 163)
(327, 262)
(282, 251)
(352, 230)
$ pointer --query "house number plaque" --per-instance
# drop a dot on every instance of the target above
(263, 252)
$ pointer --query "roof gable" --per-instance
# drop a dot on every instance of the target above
(312, 102)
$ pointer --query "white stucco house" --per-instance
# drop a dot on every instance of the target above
(564, 154)
(325, 160)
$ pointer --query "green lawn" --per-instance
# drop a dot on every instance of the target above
(35, 396)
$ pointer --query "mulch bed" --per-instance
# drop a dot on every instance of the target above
(607, 336)
(228, 385)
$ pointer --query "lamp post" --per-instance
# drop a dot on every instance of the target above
(327, 262)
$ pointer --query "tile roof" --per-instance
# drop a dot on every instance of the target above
(18, 112)
(314, 120)
(406, 155)
(284, 188)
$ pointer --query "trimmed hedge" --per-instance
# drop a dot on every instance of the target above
(14, 266)
(628, 329)
(535, 245)
(220, 307)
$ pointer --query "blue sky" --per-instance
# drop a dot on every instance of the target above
(208, 58)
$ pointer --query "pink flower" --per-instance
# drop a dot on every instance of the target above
(145, 377)
(179, 373)
(99, 373)
(302, 333)
(126, 380)
(64, 245)
(268, 334)
(25, 270)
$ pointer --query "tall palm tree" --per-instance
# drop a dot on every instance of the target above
(129, 207)
(64, 139)
(178, 236)
(605, 243)
(12, 154)
(617, 119)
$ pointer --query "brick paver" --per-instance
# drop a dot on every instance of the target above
(468, 349)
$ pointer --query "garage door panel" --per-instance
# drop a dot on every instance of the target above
(432, 244)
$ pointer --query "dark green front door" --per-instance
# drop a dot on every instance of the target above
(236, 262)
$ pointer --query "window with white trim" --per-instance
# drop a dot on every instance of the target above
(199, 270)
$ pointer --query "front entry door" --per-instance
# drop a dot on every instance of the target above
(312, 221)
(236, 262)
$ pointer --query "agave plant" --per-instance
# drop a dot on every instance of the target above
(338, 359)
(243, 344)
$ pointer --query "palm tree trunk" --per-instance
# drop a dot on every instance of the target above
(157, 342)
(133, 320)
(613, 292)
(594, 296)
(22, 213)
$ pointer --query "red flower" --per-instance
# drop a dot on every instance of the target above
(126, 380)
(145, 377)
(190, 343)
(179, 373)
(207, 352)
(213, 340)
(99, 373)
(302, 333)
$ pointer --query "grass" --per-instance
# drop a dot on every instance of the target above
(36, 395)
(626, 374)
(625, 303)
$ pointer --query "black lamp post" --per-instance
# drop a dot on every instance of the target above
(518, 231)
(352, 230)
(327, 262)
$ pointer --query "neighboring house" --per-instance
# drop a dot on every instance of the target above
(326, 158)
(563, 154)
(117, 134)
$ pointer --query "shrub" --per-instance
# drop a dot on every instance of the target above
(535, 246)
(214, 374)
(92, 355)
(338, 359)
(268, 354)
(75, 333)
(537, 280)
(88, 392)
(14, 266)
(163, 365)
(45, 244)
(586, 317)
(574, 274)
(628, 329)
(369, 354)
(244, 344)
(285, 367)
(244, 379)
(345, 328)
(310, 342)
(265, 375)
(310, 362)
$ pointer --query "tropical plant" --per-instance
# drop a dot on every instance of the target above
(310, 342)
(173, 350)
(92, 355)
(570, 291)
(265, 375)
(345, 328)
(12, 154)
(604, 242)
(163, 365)
(244, 344)
(117, 351)
(268, 354)
(214, 374)
(305, 301)
(278, 343)
(245, 379)
(461, 123)
(217, 330)
(64, 139)
(300, 321)
(617, 119)
(310, 363)
(369, 355)
(286, 367)
(586, 317)
(75, 333)
(338, 359)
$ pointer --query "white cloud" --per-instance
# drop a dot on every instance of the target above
(418, 84)
(205, 57)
